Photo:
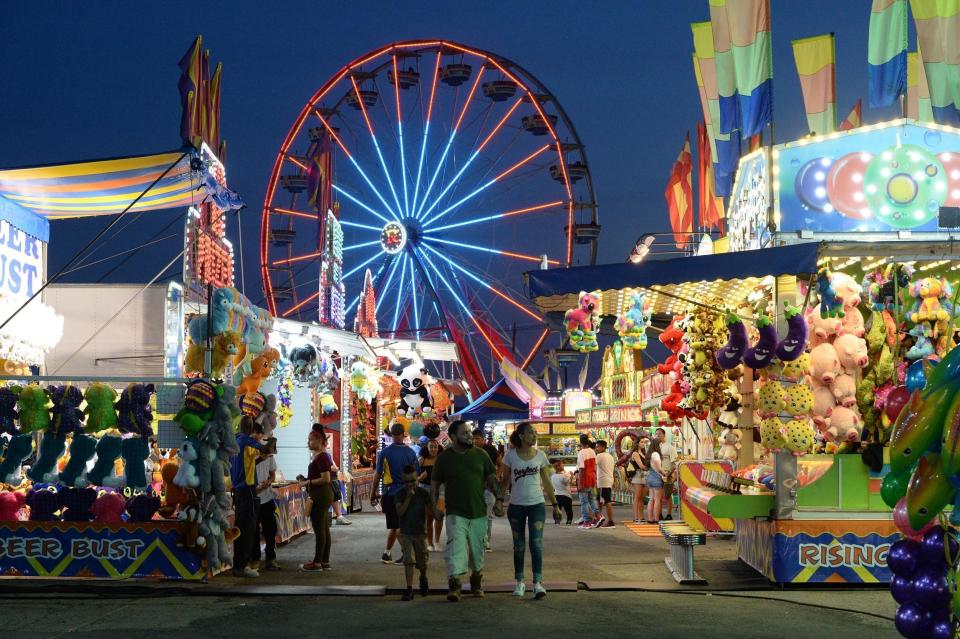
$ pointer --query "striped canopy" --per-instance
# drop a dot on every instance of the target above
(103, 187)
(498, 403)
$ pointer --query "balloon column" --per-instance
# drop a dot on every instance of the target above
(924, 477)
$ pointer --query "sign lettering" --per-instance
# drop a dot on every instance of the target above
(835, 555)
(21, 263)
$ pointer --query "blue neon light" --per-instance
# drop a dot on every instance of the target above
(361, 204)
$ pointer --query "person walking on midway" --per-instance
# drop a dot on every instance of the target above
(494, 452)
(668, 459)
(463, 471)
(605, 466)
(654, 481)
(590, 516)
(413, 507)
(428, 457)
(390, 463)
(637, 469)
(317, 483)
(527, 475)
(561, 490)
(243, 476)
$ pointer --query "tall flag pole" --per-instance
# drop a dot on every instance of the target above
(887, 52)
(918, 92)
(816, 65)
(742, 45)
(725, 148)
(854, 118)
(937, 33)
(709, 205)
(679, 196)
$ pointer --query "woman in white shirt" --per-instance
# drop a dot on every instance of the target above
(654, 481)
(639, 467)
(526, 475)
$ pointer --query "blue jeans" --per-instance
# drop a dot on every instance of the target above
(533, 517)
(589, 509)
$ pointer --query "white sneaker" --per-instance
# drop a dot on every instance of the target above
(250, 572)
(343, 521)
(520, 590)
(539, 592)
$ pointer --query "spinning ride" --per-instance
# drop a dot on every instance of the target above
(445, 170)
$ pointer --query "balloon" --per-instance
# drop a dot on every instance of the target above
(902, 521)
(929, 491)
(415, 429)
(894, 488)
(903, 557)
(916, 378)
(930, 589)
(932, 548)
(912, 621)
(950, 444)
(947, 371)
(902, 589)
(941, 629)
(918, 429)
(896, 400)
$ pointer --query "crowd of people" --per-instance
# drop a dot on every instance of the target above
(461, 487)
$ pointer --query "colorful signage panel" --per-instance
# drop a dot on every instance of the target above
(748, 220)
(884, 178)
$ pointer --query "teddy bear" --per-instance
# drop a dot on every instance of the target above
(771, 434)
(11, 502)
(770, 399)
(108, 449)
(51, 448)
(268, 416)
(65, 414)
(260, 369)
(922, 346)
(8, 410)
(843, 425)
(798, 400)
(798, 436)
(77, 503)
(582, 322)
(174, 496)
(929, 291)
(33, 405)
(226, 345)
(141, 508)
(824, 365)
(109, 507)
(186, 476)
(729, 444)
(632, 325)
(44, 504)
(134, 415)
(414, 390)
(82, 448)
(100, 411)
(198, 406)
(135, 451)
(18, 449)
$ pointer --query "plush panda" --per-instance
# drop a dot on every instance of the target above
(414, 390)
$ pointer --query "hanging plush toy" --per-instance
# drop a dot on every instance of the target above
(364, 381)
(100, 411)
(582, 322)
(67, 419)
(761, 354)
(261, 367)
(831, 304)
(303, 359)
(8, 413)
(34, 408)
(414, 390)
(135, 416)
(632, 325)
(793, 344)
(730, 354)
(198, 403)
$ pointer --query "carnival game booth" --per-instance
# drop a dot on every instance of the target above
(816, 348)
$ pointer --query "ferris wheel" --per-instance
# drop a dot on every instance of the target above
(446, 172)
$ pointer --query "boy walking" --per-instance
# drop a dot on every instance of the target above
(413, 506)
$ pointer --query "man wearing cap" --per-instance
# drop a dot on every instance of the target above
(390, 463)
(463, 470)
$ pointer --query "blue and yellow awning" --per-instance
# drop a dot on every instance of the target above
(103, 187)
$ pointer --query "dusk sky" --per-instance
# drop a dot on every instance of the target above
(98, 80)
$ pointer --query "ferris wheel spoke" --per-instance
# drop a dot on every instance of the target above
(413, 298)
(486, 249)
(293, 160)
(403, 161)
(484, 284)
(446, 149)
(356, 165)
(466, 309)
(400, 291)
(486, 185)
(376, 144)
(356, 201)
(470, 159)
(361, 245)
(296, 258)
(360, 226)
(478, 220)
(361, 265)
(386, 286)
(293, 309)
(426, 129)
(292, 213)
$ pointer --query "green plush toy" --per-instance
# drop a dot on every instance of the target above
(100, 411)
(33, 405)
(877, 335)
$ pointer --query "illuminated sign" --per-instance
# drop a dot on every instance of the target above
(21, 262)
(173, 331)
(208, 255)
(576, 400)
(332, 291)
(749, 215)
(393, 238)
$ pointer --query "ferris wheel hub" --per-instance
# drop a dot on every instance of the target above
(397, 235)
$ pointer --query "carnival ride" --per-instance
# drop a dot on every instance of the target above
(447, 171)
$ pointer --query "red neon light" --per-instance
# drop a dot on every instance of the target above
(301, 304)
(529, 258)
(499, 124)
(487, 339)
(522, 162)
(517, 304)
(466, 104)
(333, 134)
(298, 258)
(309, 216)
(363, 108)
(396, 87)
(433, 86)
(532, 209)
(536, 347)
(297, 162)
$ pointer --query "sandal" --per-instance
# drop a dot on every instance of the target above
(311, 567)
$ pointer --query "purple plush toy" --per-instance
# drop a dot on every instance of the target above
(730, 354)
(65, 415)
(133, 410)
(792, 345)
(8, 410)
(761, 355)
(142, 507)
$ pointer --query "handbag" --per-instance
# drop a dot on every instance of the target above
(632, 469)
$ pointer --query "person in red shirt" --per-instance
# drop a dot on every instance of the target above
(590, 516)
(317, 483)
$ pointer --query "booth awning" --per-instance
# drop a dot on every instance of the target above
(498, 403)
(671, 283)
(103, 187)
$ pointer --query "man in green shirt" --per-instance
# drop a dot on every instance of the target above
(463, 471)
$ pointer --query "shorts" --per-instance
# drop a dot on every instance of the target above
(389, 506)
(606, 495)
(654, 480)
(640, 477)
(415, 551)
